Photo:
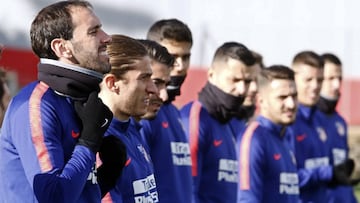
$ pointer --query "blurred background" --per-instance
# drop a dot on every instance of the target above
(277, 29)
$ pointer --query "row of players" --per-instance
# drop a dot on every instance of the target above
(211, 150)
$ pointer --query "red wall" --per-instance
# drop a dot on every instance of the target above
(193, 83)
(350, 100)
(24, 63)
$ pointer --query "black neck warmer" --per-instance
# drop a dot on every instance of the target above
(72, 82)
(327, 106)
(174, 86)
(220, 105)
(245, 112)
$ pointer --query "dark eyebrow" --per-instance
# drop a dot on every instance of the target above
(183, 55)
(146, 75)
(159, 80)
(96, 27)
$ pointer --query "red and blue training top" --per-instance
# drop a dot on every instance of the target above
(40, 161)
(213, 154)
(267, 166)
(310, 143)
(170, 152)
(336, 129)
(137, 182)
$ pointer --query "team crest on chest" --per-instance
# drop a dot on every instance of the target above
(340, 128)
(322, 134)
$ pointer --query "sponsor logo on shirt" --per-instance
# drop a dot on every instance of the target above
(92, 175)
(74, 134)
(217, 143)
(289, 183)
(180, 153)
(277, 156)
(228, 170)
(300, 138)
(145, 190)
(165, 124)
(316, 162)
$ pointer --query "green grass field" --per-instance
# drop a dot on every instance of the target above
(357, 192)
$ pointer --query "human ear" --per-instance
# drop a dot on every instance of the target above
(111, 83)
(210, 75)
(60, 48)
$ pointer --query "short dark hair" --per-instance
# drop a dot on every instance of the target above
(236, 51)
(331, 58)
(124, 51)
(53, 21)
(258, 58)
(267, 75)
(170, 29)
(157, 52)
(309, 58)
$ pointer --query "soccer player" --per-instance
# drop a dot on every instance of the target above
(335, 125)
(308, 137)
(54, 127)
(206, 121)
(267, 166)
(127, 90)
(168, 145)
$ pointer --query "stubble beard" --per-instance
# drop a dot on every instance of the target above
(90, 60)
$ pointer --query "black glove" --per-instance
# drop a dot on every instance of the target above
(342, 173)
(113, 156)
(96, 118)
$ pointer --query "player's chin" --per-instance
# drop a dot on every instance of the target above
(153, 108)
(312, 101)
(286, 122)
(288, 119)
(150, 115)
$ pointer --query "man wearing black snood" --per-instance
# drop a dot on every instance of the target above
(248, 108)
(246, 111)
(169, 147)
(54, 126)
(335, 125)
(206, 121)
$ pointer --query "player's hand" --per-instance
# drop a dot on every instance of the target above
(96, 118)
(342, 173)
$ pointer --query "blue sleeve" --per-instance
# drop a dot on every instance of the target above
(251, 165)
(66, 185)
(41, 150)
(309, 177)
